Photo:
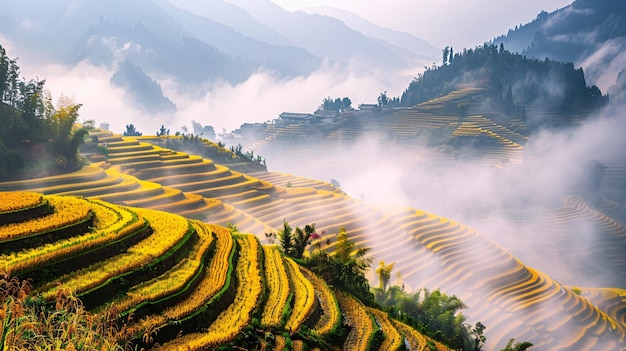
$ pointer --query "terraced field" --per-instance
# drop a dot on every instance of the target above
(195, 284)
(510, 298)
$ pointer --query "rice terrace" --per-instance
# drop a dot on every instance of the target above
(481, 209)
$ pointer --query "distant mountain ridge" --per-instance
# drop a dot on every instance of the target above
(394, 39)
(589, 33)
(192, 43)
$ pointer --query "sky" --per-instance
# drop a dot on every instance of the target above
(438, 21)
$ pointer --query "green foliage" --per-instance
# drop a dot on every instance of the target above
(345, 268)
(248, 155)
(293, 242)
(518, 346)
(473, 337)
(383, 99)
(30, 324)
(131, 131)
(38, 139)
(337, 105)
(431, 312)
(9, 160)
(163, 131)
(386, 101)
(384, 274)
(301, 239)
(232, 228)
(528, 81)
(285, 238)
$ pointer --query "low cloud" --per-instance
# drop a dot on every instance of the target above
(262, 97)
(512, 204)
(603, 66)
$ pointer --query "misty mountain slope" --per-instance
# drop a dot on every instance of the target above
(66, 22)
(588, 33)
(281, 58)
(142, 90)
(402, 40)
(188, 60)
(618, 91)
(152, 36)
(323, 36)
(234, 17)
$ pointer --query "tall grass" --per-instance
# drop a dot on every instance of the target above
(27, 323)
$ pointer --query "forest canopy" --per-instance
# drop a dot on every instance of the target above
(36, 138)
(548, 84)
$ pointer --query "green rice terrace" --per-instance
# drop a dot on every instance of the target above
(146, 237)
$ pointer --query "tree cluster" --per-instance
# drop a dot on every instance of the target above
(345, 268)
(433, 313)
(386, 101)
(293, 242)
(337, 105)
(248, 155)
(512, 78)
(132, 131)
(35, 137)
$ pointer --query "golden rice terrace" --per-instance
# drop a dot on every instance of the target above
(147, 235)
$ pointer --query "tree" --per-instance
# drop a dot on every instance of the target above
(338, 104)
(302, 239)
(518, 346)
(294, 241)
(346, 103)
(131, 131)
(345, 268)
(446, 52)
(285, 239)
(29, 120)
(451, 55)
(384, 274)
(162, 131)
(66, 139)
(474, 337)
(9, 79)
(328, 104)
(383, 99)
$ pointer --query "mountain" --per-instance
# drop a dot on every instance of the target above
(512, 79)
(394, 40)
(281, 58)
(194, 46)
(143, 90)
(589, 33)
(324, 36)
(232, 16)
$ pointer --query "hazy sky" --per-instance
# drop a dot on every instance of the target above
(460, 23)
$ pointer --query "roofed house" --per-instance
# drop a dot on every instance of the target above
(287, 118)
(325, 117)
(369, 107)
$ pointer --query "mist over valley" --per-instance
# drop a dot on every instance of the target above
(493, 173)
